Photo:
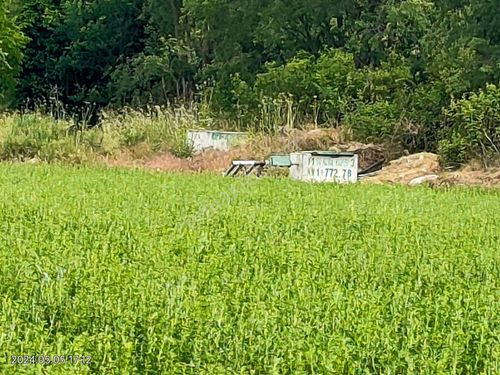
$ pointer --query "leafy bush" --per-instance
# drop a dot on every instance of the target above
(326, 88)
(377, 121)
(423, 113)
(295, 79)
(12, 42)
(472, 127)
(153, 77)
(338, 82)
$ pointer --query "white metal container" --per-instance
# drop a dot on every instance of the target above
(201, 140)
(323, 166)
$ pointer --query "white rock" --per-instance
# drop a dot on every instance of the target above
(423, 179)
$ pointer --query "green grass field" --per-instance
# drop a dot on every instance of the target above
(190, 274)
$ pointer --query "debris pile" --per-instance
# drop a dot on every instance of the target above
(368, 154)
(471, 177)
(412, 169)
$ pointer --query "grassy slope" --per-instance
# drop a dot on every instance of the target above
(199, 274)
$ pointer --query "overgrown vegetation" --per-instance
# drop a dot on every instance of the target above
(39, 137)
(12, 43)
(388, 70)
(205, 275)
(472, 127)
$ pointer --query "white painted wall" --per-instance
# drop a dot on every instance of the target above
(320, 168)
(201, 140)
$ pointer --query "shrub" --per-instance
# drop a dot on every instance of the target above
(472, 127)
(421, 110)
(392, 80)
(374, 122)
(295, 78)
(338, 82)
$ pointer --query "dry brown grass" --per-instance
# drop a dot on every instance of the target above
(310, 139)
(214, 161)
(259, 147)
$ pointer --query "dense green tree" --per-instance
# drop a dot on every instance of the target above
(85, 50)
(390, 69)
(40, 80)
(164, 17)
(164, 71)
(101, 34)
(11, 45)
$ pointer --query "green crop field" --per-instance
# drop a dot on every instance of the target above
(196, 274)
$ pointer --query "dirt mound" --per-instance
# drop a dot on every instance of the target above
(424, 168)
(167, 162)
(471, 177)
(406, 169)
(413, 170)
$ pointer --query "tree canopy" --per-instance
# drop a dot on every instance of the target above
(11, 47)
(387, 68)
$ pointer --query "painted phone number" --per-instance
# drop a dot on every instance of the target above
(16, 360)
